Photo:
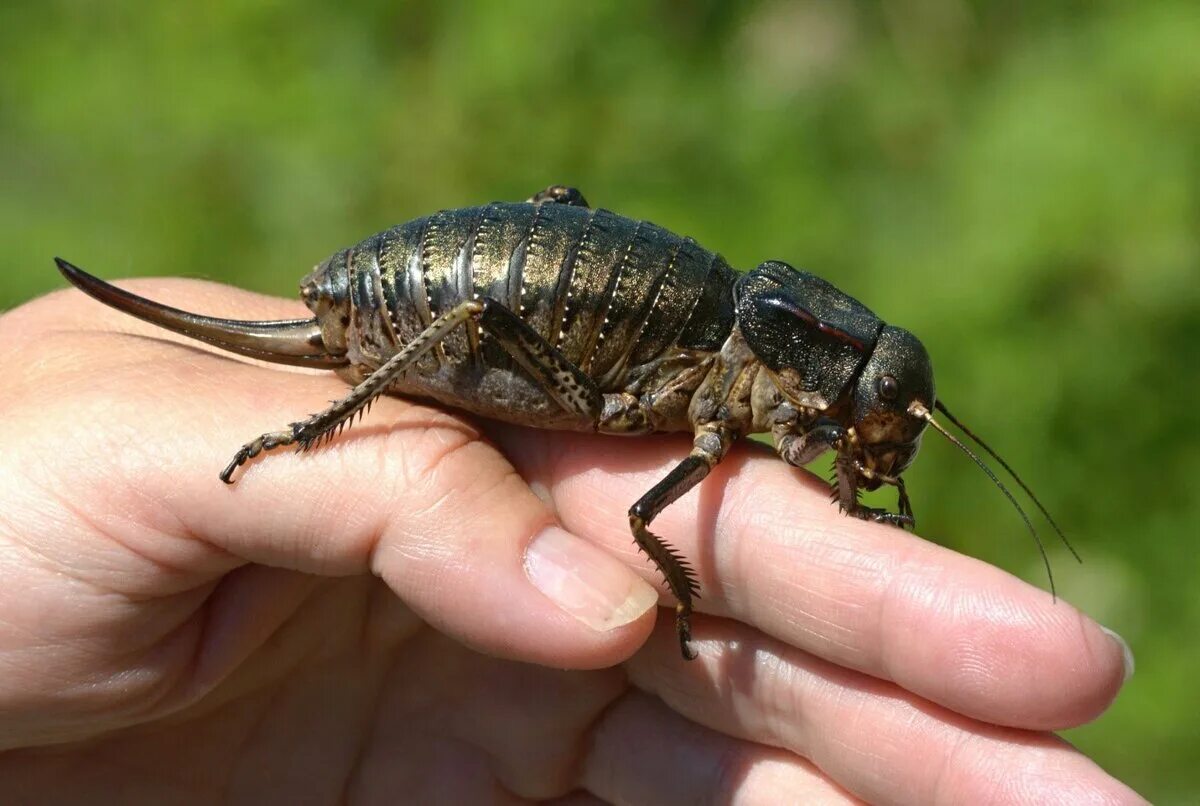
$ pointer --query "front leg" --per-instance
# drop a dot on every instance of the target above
(848, 473)
(709, 446)
(905, 516)
(798, 449)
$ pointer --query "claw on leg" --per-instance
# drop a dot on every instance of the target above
(881, 516)
(683, 626)
(266, 442)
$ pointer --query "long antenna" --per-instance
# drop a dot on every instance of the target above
(919, 410)
(942, 408)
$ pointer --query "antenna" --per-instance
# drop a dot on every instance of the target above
(942, 408)
(918, 409)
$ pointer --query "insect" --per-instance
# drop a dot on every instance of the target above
(552, 314)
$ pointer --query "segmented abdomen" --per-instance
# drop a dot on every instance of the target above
(612, 293)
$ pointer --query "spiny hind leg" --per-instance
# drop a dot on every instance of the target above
(565, 382)
(708, 447)
(308, 432)
(559, 194)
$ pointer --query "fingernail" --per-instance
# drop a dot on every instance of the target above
(586, 581)
(1126, 652)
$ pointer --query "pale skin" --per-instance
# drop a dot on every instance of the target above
(439, 609)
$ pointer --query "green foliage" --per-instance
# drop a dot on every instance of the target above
(1018, 183)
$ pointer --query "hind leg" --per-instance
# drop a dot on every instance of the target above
(323, 425)
(566, 383)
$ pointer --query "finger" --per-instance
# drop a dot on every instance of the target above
(771, 551)
(643, 752)
(878, 741)
(414, 495)
(525, 725)
(577, 799)
(534, 724)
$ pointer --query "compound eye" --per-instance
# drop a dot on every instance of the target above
(888, 388)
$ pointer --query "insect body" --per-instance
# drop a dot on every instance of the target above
(551, 314)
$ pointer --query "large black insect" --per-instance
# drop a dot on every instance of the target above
(551, 314)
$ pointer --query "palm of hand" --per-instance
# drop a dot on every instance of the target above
(164, 635)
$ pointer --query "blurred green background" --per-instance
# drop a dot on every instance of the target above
(1018, 183)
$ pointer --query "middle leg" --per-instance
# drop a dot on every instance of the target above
(708, 448)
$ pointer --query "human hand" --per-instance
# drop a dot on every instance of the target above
(390, 617)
